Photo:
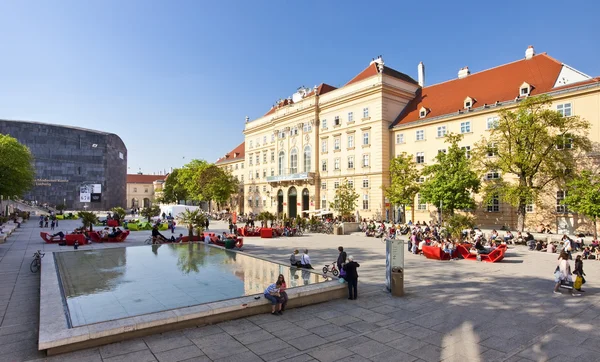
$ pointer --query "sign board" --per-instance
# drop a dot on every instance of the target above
(291, 177)
(96, 197)
(86, 191)
(394, 258)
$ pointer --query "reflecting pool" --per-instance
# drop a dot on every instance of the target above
(107, 284)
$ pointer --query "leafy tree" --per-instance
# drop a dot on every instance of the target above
(173, 189)
(265, 216)
(16, 167)
(404, 186)
(583, 196)
(451, 180)
(88, 218)
(61, 208)
(193, 219)
(531, 147)
(119, 212)
(457, 223)
(150, 212)
(344, 201)
(216, 184)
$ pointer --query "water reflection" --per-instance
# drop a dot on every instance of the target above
(114, 283)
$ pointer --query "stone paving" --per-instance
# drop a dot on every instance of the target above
(452, 311)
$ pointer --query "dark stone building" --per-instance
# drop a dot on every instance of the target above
(75, 166)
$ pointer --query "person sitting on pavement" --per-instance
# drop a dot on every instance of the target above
(494, 235)
(508, 237)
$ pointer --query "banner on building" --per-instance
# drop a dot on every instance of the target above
(90, 193)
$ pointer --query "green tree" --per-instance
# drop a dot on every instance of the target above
(531, 148)
(216, 184)
(88, 218)
(583, 196)
(119, 212)
(404, 186)
(265, 216)
(150, 212)
(457, 223)
(451, 181)
(16, 167)
(344, 201)
(173, 189)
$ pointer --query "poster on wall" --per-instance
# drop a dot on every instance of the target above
(96, 197)
(90, 193)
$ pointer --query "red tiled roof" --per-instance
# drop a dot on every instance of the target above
(486, 87)
(144, 179)
(371, 70)
(321, 89)
(237, 154)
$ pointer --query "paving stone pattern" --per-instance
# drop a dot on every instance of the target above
(452, 311)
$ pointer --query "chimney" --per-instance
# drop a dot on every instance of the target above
(529, 53)
(421, 70)
(463, 72)
(247, 119)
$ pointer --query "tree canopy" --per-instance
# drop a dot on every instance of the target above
(404, 185)
(345, 199)
(199, 181)
(16, 167)
(451, 181)
(530, 148)
(583, 196)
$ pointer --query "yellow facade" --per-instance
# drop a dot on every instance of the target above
(305, 146)
(142, 190)
(236, 168)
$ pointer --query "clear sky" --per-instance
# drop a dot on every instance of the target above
(175, 79)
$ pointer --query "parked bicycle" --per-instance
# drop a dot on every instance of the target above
(331, 269)
(36, 263)
(159, 240)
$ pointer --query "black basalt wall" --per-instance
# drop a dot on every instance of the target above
(68, 157)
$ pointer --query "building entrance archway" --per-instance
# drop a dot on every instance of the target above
(305, 202)
(279, 201)
(134, 203)
(146, 202)
(292, 202)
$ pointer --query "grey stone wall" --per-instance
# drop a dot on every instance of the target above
(67, 157)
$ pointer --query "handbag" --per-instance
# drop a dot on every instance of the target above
(578, 282)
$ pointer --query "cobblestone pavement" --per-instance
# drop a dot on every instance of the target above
(452, 311)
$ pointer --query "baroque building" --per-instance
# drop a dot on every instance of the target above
(308, 144)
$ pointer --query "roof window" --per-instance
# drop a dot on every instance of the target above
(525, 89)
(468, 103)
(423, 112)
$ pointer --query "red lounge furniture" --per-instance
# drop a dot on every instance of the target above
(249, 232)
(465, 253)
(495, 256)
(48, 239)
(95, 237)
(112, 223)
(71, 238)
(266, 233)
(433, 252)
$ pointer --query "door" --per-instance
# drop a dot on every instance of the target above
(280, 201)
(305, 202)
(292, 202)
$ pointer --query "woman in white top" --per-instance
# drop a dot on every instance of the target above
(563, 272)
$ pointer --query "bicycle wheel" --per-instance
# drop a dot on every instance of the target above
(34, 266)
(335, 272)
(148, 241)
(325, 270)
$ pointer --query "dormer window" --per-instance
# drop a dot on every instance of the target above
(468, 103)
(524, 89)
(422, 112)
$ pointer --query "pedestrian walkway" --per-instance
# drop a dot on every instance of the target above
(453, 311)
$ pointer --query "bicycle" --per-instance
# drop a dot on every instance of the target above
(159, 240)
(36, 263)
(333, 270)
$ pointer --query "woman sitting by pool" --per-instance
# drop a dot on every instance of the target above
(282, 293)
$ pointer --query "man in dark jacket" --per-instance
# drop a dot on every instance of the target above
(341, 260)
(352, 277)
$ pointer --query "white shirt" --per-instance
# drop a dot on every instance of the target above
(305, 259)
(207, 239)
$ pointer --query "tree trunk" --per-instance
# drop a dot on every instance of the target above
(190, 233)
(521, 216)
(404, 214)
(595, 229)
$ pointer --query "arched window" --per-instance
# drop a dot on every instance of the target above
(281, 165)
(294, 161)
(307, 158)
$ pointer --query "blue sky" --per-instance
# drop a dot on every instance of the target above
(175, 79)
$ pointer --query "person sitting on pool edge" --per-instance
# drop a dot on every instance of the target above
(305, 260)
(293, 261)
(272, 294)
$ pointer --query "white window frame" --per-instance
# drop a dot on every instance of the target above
(350, 162)
(565, 108)
(365, 112)
(420, 135)
(306, 127)
(365, 160)
(399, 138)
(350, 141)
(365, 183)
(365, 202)
(324, 185)
(467, 150)
(336, 121)
(324, 145)
(336, 185)
(421, 206)
(492, 123)
(465, 127)
(529, 208)
(350, 117)
(420, 158)
(441, 131)
(350, 183)
(324, 165)
(336, 164)
(560, 208)
(494, 204)
(324, 123)
(337, 144)
(492, 150)
(492, 175)
(365, 138)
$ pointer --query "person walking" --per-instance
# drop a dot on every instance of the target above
(341, 260)
(578, 271)
(207, 223)
(352, 277)
(52, 224)
(46, 221)
(562, 274)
